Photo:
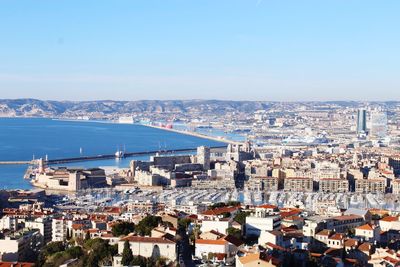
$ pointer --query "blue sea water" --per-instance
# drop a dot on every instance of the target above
(23, 139)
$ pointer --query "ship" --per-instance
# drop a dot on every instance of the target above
(305, 141)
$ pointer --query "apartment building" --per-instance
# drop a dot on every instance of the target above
(298, 184)
(333, 185)
(370, 186)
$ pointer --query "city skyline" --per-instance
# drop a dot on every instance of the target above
(243, 50)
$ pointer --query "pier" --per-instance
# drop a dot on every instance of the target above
(105, 156)
(17, 162)
(126, 155)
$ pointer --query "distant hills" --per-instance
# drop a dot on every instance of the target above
(47, 108)
(109, 108)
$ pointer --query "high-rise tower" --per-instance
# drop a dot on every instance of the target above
(361, 121)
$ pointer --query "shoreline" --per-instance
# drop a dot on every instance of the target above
(194, 134)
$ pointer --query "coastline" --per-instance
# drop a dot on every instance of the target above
(222, 140)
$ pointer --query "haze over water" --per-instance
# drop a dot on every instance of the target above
(21, 139)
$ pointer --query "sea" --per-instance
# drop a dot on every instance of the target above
(23, 139)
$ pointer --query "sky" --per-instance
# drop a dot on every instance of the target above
(272, 50)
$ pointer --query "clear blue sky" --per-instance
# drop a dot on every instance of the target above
(256, 50)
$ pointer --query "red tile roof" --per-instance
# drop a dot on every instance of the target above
(390, 219)
(219, 211)
(211, 242)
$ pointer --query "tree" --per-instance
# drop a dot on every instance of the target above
(226, 214)
(240, 217)
(98, 251)
(87, 236)
(123, 228)
(127, 255)
(234, 232)
(75, 252)
(147, 224)
(184, 223)
(50, 249)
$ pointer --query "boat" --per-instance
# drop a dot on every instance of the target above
(119, 154)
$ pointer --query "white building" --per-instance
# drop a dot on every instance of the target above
(20, 245)
(59, 229)
(260, 222)
(155, 247)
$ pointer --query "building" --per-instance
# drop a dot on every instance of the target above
(70, 179)
(361, 121)
(43, 224)
(343, 223)
(298, 184)
(155, 247)
(261, 221)
(256, 260)
(222, 249)
(374, 186)
(368, 232)
(203, 157)
(396, 186)
(259, 183)
(333, 185)
(20, 245)
(378, 124)
(59, 229)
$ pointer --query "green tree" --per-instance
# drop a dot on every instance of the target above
(49, 249)
(75, 252)
(147, 224)
(234, 232)
(123, 228)
(127, 255)
(184, 222)
(240, 217)
(98, 251)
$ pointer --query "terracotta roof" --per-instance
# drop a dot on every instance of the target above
(258, 257)
(350, 242)
(77, 226)
(365, 227)
(115, 210)
(211, 242)
(249, 258)
(390, 219)
(324, 232)
(337, 236)
(391, 260)
(365, 246)
(219, 211)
